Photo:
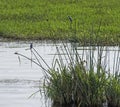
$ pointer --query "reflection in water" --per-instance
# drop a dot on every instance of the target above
(69, 105)
(19, 81)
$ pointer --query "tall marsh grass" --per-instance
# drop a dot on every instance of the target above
(81, 78)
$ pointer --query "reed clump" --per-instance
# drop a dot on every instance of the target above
(74, 80)
(113, 91)
(74, 84)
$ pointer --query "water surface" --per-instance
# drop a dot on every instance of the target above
(20, 79)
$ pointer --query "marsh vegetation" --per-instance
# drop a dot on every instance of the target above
(83, 78)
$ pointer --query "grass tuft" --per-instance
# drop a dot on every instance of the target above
(83, 80)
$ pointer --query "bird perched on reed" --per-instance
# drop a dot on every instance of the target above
(31, 45)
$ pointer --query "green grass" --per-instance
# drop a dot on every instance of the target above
(75, 84)
(48, 19)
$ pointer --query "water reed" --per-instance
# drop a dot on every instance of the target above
(82, 79)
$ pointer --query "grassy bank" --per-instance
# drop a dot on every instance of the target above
(48, 19)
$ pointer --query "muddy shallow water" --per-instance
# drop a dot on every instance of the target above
(18, 80)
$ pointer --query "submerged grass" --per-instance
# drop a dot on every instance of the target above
(43, 19)
(81, 80)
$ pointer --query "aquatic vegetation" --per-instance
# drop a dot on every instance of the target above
(113, 91)
(80, 79)
(73, 84)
